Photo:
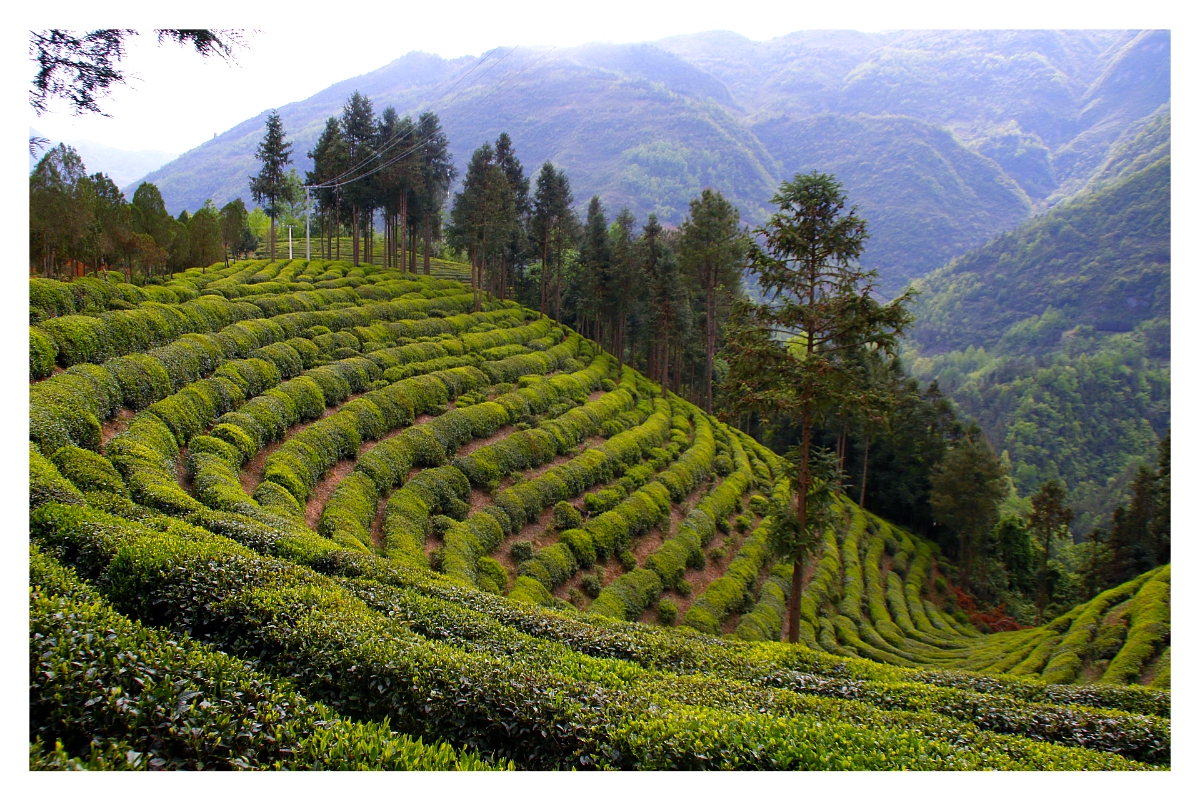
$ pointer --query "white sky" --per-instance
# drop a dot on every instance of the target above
(176, 100)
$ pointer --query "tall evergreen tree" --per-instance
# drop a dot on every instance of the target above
(823, 302)
(665, 297)
(329, 162)
(967, 487)
(180, 254)
(149, 215)
(359, 134)
(555, 227)
(483, 215)
(712, 251)
(234, 218)
(270, 187)
(1049, 520)
(204, 235)
(626, 279)
(399, 179)
(56, 218)
(514, 250)
(437, 173)
(595, 262)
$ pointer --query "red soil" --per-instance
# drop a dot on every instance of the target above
(117, 424)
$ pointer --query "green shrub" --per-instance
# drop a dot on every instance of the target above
(492, 576)
(521, 551)
(667, 611)
(88, 471)
(628, 560)
(590, 584)
(43, 352)
(566, 516)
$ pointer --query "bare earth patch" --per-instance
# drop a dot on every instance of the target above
(116, 424)
(341, 470)
(475, 444)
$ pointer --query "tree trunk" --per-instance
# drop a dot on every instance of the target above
(711, 331)
(272, 240)
(558, 293)
(354, 235)
(428, 237)
(802, 519)
(545, 270)
(862, 495)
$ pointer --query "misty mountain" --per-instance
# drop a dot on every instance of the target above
(944, 138)
(125, 167)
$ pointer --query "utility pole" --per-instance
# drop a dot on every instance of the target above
(289, 227)
(307, 236)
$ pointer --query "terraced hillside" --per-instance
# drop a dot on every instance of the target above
(293, 514)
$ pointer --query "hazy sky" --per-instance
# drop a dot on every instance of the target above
(175, 100)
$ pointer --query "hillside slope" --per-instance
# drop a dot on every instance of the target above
(1102, 260)
(301, 490)
(924, 195)
(1056, 337)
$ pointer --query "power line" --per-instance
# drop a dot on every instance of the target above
(334, 182)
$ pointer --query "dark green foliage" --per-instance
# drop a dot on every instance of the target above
(43, 352)
(46, 484)
(101, 683)
(566, 516)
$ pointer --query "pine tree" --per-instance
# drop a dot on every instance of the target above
(787, 355)
(359, 133)
(270, 187)
(595, 261)
(329, 162)
(514, 249)
(438, 172)
(967, 487)
(233, 225)
(665, 297)
(1048, 522)
(711, 251)
(626, 279)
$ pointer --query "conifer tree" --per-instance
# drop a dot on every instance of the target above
(234, 218)
(711, 251)
(595, 261)
(514, 249)
(665, 297)
(1048, 521)
(555, 227)
(270, 187)
(359, 133)
(967, 487)
(329, 161)
(787, 355)
(626, 279)
(437, 173)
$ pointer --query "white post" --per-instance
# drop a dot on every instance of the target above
(289, 242)
(307, 235)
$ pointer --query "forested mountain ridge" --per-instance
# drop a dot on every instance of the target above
(1010, 121)
(1102, 260)
(1056, 338)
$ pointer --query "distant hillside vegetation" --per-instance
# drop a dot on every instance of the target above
(1102, 260)
(1057, 338)
(925, 196)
